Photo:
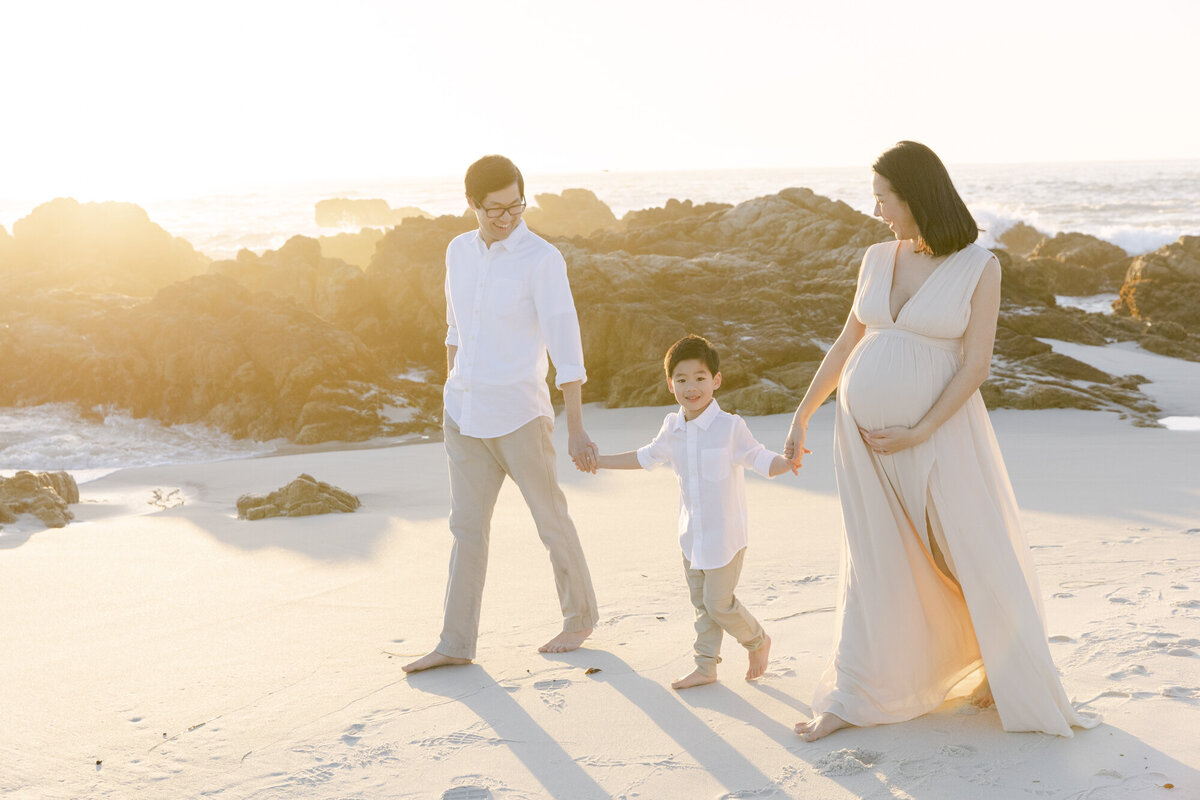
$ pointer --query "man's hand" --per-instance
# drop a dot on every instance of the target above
(584, 452)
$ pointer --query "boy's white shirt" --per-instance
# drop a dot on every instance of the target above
(507, 306)
(709, 455)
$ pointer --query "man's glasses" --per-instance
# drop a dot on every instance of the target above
(515, 210)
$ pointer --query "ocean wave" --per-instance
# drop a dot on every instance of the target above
(55, 436)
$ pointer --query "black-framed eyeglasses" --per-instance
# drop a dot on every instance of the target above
(515, 210)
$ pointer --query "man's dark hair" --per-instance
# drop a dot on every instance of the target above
(491, 174)
(692, 346)
(920, 178)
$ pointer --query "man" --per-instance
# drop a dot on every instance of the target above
(508, 305)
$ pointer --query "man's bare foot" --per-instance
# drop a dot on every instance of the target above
(982, 696)
(758, 660)
(697, 678)
(566, 641)
(434, 659)
(821, 726)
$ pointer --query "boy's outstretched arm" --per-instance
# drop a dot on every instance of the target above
(627, 460)
(780, 465)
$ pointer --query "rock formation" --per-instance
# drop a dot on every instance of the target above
(1021, 239)
(344, 212)
(46, 495)
(1163, 289)
(575, 212)
(328, 287)
(94, 247)
(302, 497)
(1081, 264)
(297, 344)
(353, 248)
(203, 350)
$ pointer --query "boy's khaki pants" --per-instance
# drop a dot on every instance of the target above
(477, 470)
(718, 610)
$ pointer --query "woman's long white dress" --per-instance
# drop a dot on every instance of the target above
(937, 577)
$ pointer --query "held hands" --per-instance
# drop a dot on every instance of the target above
(794, 449)
(584, 452)
(889, 441)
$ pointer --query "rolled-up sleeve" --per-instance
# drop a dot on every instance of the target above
(451, 323)
(749, 452)
(658, 452)
(558, 321)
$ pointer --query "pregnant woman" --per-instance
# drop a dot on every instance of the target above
(936, 580)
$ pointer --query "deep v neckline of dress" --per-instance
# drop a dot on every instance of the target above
(892, 279)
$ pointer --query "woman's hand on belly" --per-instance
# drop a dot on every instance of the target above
(889, 441)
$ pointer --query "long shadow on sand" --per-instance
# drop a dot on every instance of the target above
(664, 707)
(550, 764)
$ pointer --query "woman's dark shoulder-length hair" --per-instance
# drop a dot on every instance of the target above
(920, 178)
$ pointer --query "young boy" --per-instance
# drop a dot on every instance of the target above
(709, 450)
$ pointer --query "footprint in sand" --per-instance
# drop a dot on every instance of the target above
(1132, 669)
(549, 693)
(467, 793)
(957, 750)
(848, 761)
(1180, 692)
(1060, 638)
(441, 747)
(352, 735)
(1186, 604)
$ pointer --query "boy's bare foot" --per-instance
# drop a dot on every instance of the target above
(566, 641)
(434, 659)
(821, 726)
(982, 696)
(697, 678)
(758, 660)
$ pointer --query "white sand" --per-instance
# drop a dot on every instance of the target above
(182, 653)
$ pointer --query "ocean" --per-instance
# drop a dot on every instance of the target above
(1138, 205)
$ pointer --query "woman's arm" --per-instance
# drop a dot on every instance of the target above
(978, 340)
(822, 385)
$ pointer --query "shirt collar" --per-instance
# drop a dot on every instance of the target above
(704, 420)
(509, 243)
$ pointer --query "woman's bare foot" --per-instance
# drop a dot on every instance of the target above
(982, 696)
(434, 659)
(566, 641)
(758, 660)
(821, 726)
(697, 678)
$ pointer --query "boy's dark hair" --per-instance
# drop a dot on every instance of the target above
(491, 174)
(692, 346)
(920, 179)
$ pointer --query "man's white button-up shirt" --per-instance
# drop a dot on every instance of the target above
(506, 306)
(709, 455)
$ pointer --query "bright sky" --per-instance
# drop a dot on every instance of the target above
(126, 100)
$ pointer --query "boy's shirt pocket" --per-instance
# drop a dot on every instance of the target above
(714, 463)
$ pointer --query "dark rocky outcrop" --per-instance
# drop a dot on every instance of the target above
(1165, 285)
(343, 212)
(94, 247)
(1081, 264)
(1163, 289)
(299, 344)
(303, 497)
(45, 495)
(328, 287)
(1021, 239)
(203, 350)
(575, 212)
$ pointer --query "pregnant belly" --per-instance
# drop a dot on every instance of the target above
(893, 380)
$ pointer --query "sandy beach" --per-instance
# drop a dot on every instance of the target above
(160, 647)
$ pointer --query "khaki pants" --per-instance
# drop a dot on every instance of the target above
(477, 470)
(718, 610)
